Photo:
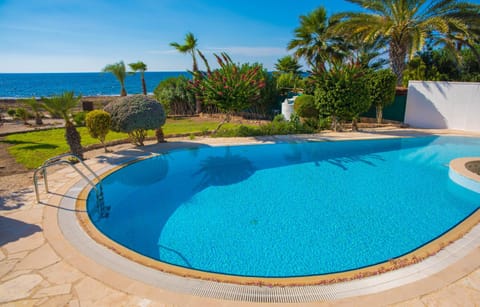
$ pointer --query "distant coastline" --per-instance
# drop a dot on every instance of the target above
(15, 86)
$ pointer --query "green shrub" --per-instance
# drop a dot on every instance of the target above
(23, 114)
(382, 85)
(11, 112)
(175, 96)
(79, 118)
(343, 94)
(98, 124)
(305, 106)
(135, 115)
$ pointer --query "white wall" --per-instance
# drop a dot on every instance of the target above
(448, 105)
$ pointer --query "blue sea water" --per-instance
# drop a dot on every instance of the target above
(288, 209)
(23, 85)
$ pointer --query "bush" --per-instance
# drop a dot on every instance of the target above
(98, 124)
(23, 114)
(11, 112)
(175, 96)
(305, 106)
(79, 118)
(343, 93)
(382, 90)
(135, 115)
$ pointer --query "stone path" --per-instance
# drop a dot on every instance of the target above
(33, 273)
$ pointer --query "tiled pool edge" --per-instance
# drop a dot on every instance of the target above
(297, 294)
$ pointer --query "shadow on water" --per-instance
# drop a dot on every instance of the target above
(162, 248)
(223, 170)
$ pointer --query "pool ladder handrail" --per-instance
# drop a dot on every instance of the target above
(57, 160)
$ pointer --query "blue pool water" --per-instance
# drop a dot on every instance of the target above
(288, 209)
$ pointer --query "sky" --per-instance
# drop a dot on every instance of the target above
(86, 35)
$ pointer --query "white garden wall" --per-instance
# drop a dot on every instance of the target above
(443, 105)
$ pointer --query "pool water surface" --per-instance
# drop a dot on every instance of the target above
(288, 210)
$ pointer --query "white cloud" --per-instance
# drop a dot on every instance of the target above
(249, 51)
(162, 51)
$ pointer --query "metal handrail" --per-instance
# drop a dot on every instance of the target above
(59, 160)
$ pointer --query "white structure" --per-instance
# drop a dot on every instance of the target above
(287, 107)
(443, 105)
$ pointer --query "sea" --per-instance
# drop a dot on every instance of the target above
(25, 85)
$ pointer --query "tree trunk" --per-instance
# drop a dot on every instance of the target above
(379, 109)
(334, 123)
(144, 86)
(38, 119)
(160, 136)
(73, 139)
(224, 121)
(398, 54)
(354, 124)
(123, 92)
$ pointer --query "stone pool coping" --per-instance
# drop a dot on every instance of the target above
(462, 176)
(439, 278)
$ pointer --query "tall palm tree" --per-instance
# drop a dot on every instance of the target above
(315, 42)
(406, 25)
(141, 67)
(119, 71)
(190, 46)
(63, 105)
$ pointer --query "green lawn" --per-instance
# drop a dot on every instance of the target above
(32, 148)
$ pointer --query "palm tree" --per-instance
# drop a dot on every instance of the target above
(288, 64)
(315, 42)
(190, 46)
(36, 107)
(141, 67)
(63, 105)
(406, 25)
(119, 71)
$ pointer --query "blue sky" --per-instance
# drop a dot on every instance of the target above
(85, 35)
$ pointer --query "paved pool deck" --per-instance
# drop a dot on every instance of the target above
(40, 266)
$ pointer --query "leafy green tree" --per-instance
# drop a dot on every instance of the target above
(407, 24)
(305, 106)
(382, 90)
(288, 64)
(176, 96)
(190, 46)
(232, 87)
(63, 105)
(142, 68)
(36, 107)
(315, 42)
(120, 72)
(135, 115)
(98, 125)
(343, 94)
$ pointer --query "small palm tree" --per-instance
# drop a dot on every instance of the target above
(119, 71)
(63, 105)
(141, 67)
(288, 64)
(36, 107)
(406, 25)
(190, 46)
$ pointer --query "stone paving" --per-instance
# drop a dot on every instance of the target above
(33, 273)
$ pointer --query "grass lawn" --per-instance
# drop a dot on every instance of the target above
(32, 148)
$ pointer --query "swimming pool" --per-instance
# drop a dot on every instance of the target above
(288, 210)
